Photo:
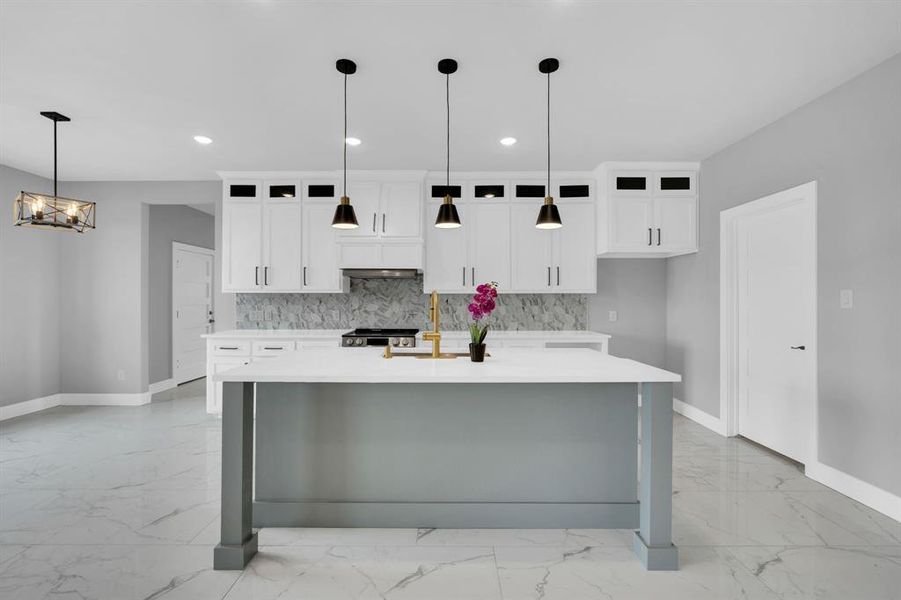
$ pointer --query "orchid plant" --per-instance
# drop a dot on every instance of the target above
(482, 305)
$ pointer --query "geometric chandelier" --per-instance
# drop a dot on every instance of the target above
(54, 212)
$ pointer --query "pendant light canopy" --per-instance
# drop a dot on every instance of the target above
(345, 218)
(448, 218)
(54, 212)
(549, 215)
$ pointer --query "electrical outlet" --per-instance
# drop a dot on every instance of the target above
(846, 299)
(612, 316)
(268, 314)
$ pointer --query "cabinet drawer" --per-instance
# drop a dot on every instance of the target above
(272, 348)
(231, 348)
(326, 343)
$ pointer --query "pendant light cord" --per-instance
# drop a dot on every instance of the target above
(548, 134)
(344, 188)
(447, 149)
(54, 160)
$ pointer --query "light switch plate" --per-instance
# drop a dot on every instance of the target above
(612, 316)
(846, 299)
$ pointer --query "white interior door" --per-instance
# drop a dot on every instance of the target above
(192, 309)
(776, 300)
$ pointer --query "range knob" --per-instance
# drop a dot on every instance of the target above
(395, 341)
(405, 342)
(359, 341)
(348, 342)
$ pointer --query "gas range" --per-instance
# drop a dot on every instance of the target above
(399, 338)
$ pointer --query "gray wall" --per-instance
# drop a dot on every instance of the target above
(849, 140)
(169, 224)
(29, 298)
(636, 289)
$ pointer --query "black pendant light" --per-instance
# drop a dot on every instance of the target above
(549, 215)
(34, 209)
(345, 218)
(447, 212)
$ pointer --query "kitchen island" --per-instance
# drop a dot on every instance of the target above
(531, 438)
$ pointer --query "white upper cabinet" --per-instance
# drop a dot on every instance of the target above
(446, 253)
(647, 209)
(364, 197)
(401, 215)
(489, 243)
(320, 271)
(532, 251)
(242, 226)
(575, 264)
(281, 246)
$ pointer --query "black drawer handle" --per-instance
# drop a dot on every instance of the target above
(799, 347)
(228, 347)
(273, 348)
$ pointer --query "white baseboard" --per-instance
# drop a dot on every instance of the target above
(105, 399)
(856, 489)
(29, 406)
(161, 386)
(699, 416)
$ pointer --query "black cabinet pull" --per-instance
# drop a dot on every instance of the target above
(464, 276)
(265, 275)
(472, 276)
(658, 236)
(383, 222)
(799, 347)
(304, 275)
(228, 347)
(558, 274)
(373, 222)
(256, 276)
(650, 236)
(273, 348)
(549, 276)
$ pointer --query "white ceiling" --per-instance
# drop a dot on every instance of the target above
(639, 80)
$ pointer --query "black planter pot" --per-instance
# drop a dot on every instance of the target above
(477, 352)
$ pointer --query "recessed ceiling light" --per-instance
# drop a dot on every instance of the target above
(202, 139)
(352, 141)
(508, 141)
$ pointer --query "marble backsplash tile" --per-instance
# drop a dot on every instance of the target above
(401, 303)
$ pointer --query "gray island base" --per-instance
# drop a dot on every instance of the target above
(419, 444)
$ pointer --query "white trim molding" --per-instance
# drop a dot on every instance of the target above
(866, 493)
(105, 399)
(699, 416)
(161, 386)
(27, 407)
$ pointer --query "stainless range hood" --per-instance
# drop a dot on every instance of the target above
(380, 273)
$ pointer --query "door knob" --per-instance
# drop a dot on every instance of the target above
(798, 347)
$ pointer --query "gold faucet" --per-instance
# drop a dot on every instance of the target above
(434, 336)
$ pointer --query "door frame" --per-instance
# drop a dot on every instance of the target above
(198, 250)
(730, 344)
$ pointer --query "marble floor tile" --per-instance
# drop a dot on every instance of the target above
(115, 503)
(369, 572)
(826, 573)
(98, 517)
(765, 518)
(543, 573)
(114, 573)
(739, 472)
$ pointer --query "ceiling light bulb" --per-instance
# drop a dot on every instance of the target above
(352, 141)
(202, 139)
(508, 141)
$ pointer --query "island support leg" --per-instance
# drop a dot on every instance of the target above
(238, 542)
(653, 540)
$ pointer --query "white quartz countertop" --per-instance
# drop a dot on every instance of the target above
(556, 336)
(505, 365)
(232, 334)
(575, 335)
